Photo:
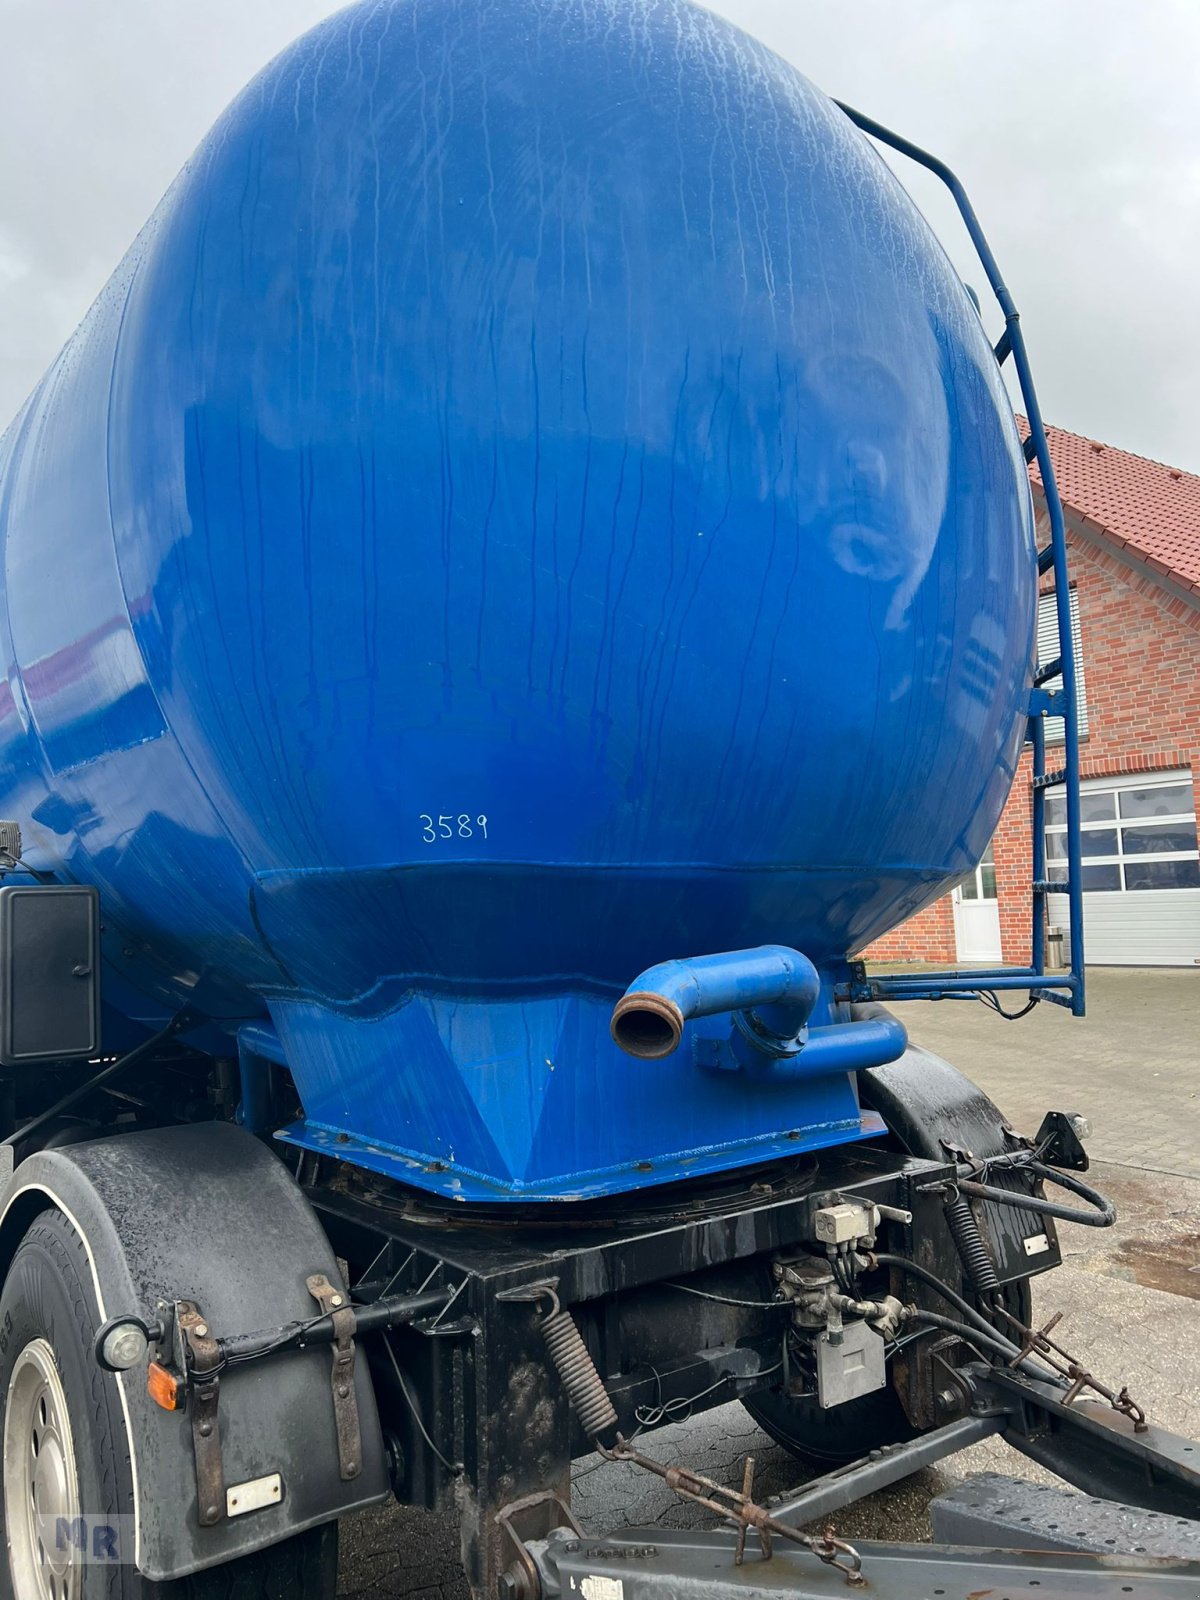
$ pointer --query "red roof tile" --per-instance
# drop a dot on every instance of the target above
(1152, 509)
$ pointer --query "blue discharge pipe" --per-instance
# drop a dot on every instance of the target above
(840, 1047)
(771, 992)
(782, 984)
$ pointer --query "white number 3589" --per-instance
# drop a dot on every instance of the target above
(434, 830)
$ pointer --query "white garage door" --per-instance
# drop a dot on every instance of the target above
(1141, 869)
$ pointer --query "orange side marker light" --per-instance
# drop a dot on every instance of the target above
(164, 1387)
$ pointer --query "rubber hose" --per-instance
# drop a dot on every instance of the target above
(992, 1340)
(971, 1245)
(975, 1318)
(1101, 1213)
(988, 1334)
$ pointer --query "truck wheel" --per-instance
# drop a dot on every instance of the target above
(65, 1451)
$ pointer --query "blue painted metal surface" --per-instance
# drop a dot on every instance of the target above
(1068, 991)
(536, 501)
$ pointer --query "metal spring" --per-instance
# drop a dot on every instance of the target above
(584, 1385)
(971, 1245)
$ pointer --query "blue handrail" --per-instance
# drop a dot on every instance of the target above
(1067, 990)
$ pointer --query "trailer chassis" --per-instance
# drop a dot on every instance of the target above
(488, 1351)
(762, 1553)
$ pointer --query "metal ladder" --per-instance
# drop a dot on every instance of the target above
(1065, 989)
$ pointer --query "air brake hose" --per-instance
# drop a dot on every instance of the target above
(979, 1326)
(1100, 1213)
(971, 1245)
(963, 1307)
(996, 1343)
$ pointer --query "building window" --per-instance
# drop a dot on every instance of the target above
(1048, 650)
(1137, 833)
(980, 884)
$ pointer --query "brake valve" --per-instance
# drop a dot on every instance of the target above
(849, 1356)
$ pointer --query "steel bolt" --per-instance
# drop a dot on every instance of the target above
(201, 1331)
(335, 1299)
(211, 1513)
(343, 1391)
(205, 1429)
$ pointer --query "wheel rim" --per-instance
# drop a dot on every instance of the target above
(41, 1482)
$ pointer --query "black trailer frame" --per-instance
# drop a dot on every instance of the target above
(1130, 1464)
(488, 1427)
(495, 1350)
(476, 1353)
(488, 1352)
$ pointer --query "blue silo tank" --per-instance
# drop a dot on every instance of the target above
(535, 501)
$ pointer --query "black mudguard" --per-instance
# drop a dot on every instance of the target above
(933, 1110)
(207, 1213)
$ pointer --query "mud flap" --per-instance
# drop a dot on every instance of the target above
(208, 1215)
(934, 1111)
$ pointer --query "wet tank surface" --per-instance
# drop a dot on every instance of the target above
(510, 679)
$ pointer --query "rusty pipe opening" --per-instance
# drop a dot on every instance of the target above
(771, 990)
(647, 1025)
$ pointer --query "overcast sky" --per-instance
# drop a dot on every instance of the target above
(1074, 124)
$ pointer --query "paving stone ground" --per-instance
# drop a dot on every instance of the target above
(1130, 1295)
(1132, 1064)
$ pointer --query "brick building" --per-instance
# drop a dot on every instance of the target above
(1133, 528)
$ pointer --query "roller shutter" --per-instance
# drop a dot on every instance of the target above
(1141, 869)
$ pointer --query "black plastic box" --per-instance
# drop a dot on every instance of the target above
(49, 973)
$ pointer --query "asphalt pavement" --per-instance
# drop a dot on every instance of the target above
(1128, 1294)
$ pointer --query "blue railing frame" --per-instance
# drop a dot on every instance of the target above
(1065, 989)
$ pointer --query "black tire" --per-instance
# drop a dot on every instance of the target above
(828, 1439)
(47, 1299)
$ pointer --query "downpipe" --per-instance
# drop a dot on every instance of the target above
(770, 993)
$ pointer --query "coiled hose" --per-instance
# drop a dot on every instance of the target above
(971, 1245)
(583, 1383)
